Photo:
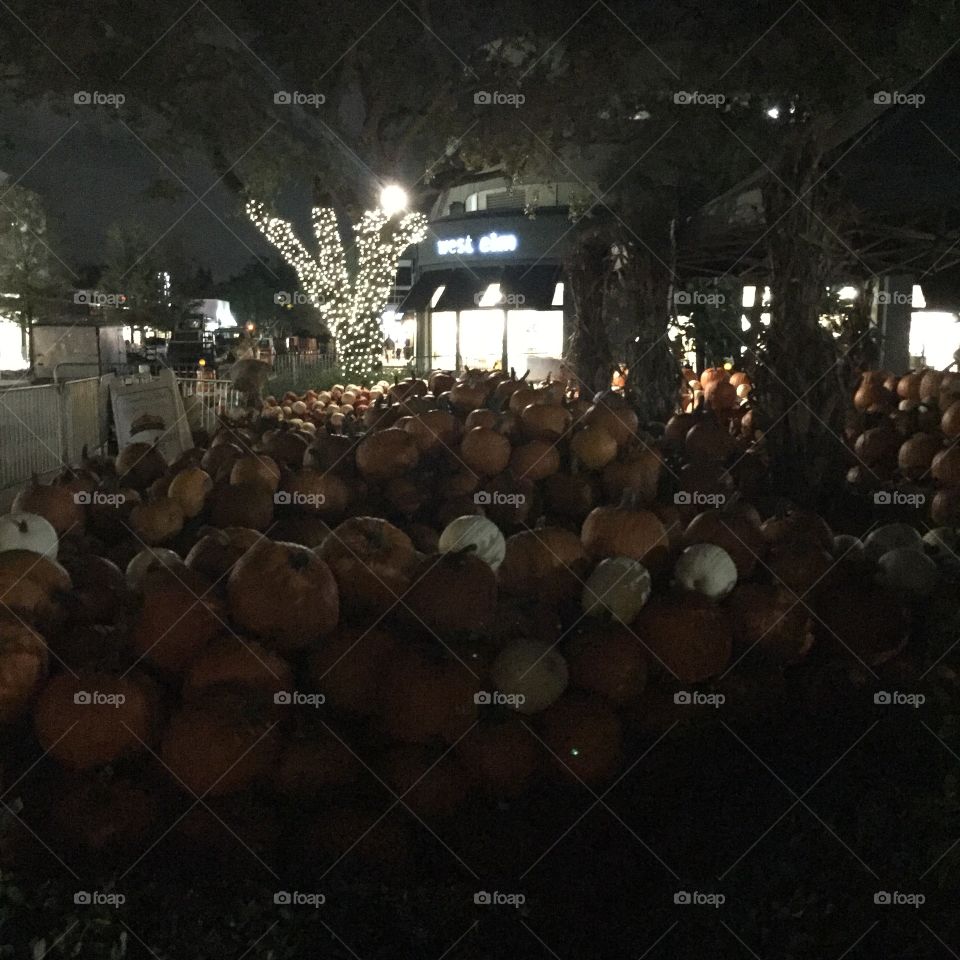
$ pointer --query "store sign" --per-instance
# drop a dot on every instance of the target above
(488, 243)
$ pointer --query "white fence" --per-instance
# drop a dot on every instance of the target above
(44, 427)
(300, 366)
(205, 400)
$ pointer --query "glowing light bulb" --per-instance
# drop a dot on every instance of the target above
(393, 199)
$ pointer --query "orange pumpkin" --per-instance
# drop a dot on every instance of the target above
(348, 668)
(548, 562)
(608, 660)
(917, 453)
(534, 460)
(583, 737)
(23, 666)
(624, 532)
(387, 453)
(485, 451)
(594, 447)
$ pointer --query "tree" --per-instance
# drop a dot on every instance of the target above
(349, 287)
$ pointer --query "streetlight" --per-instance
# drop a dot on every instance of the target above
(393, 199)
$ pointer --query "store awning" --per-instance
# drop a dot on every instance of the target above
(532, 287)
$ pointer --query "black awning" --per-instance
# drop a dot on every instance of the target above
(421, 293)
(536, 284)
(466, 286)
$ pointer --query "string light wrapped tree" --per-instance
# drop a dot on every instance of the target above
(350, 300)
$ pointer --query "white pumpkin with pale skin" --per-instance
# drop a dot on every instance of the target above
(618, 587)
(891, 536)
(533, 672)
(908, 571)
(28, 531)
(706, 569)
(478, 533)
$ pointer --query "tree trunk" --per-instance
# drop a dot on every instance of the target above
(589, 350)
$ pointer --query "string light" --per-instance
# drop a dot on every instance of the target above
(350, 306)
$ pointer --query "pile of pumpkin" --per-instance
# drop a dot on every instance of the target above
(496, 585)
(904, 432)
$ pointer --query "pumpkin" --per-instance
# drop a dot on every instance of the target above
(738, 535)
(150, 558)
(308, 490)
(139, 465)
(215, 553)
(190, 488)
(584, 738)
(616, 417)
(942, 541)
(708, 440)
(950, 422)
(485, 451)
(99, 592)
(28, 531)
(720, 395)
(570, 495)
(686, 636)
(218, 460)
(157, 521)
(908, 386)
(871, 394)
(906, 571)
(916, 454)
(283, 593)
(505, 757)
(258, 469)
(706, 569)
(531, 674)
(349, 666)
(211, 755)
(637, 472)
(178, 617)
(769, 625)
(507, 501)
(878, 445)
(307, 767)
(945, 508)
(539, 421)
(482, 417)
(423, 699)
(534, 460)
(797, 526)
(372, 561)
(93, 718)
(433, 430)
(23, 666)
(387, 453)
(594, 447)
(946, 466)
(451, 593)
(623, 532)
(478, 534)
(546, 562)
(800, 566)
(229, 662)
(676, 430)
(930, 385)
(105, 816)
(618, 587)
(286, 445)
(891, 536)
(33, 587)
(242, 505)
(608, 661)
(58, 504)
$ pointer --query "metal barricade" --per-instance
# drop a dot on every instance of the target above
(204, 400)
(31, 438)
(85, 417)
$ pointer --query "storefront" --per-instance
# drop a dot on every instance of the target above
(488, 292)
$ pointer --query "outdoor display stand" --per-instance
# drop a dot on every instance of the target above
(151, 411)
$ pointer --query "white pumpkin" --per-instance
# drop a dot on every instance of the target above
(942, 541)
(846, 545)
(477, 532)
(891, 536)
(907, 571)
(618, 587)
(28, 531)
(531, 673)
(150, 558)
(706, 568)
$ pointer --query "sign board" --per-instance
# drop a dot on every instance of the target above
(492, 242)
(151, 411)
